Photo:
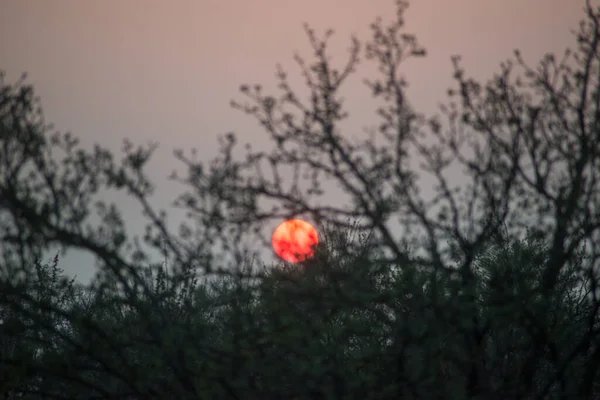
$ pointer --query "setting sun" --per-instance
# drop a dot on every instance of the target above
(295, 240)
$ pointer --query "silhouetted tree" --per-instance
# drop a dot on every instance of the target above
(487, 290)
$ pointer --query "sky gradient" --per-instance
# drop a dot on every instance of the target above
(165, 71)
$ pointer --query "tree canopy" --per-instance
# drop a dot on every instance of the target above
(485, 289)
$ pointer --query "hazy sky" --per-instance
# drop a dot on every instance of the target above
(165, 71)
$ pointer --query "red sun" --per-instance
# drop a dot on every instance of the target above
(295, 240)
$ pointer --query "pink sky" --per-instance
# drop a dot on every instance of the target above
(166, 70)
